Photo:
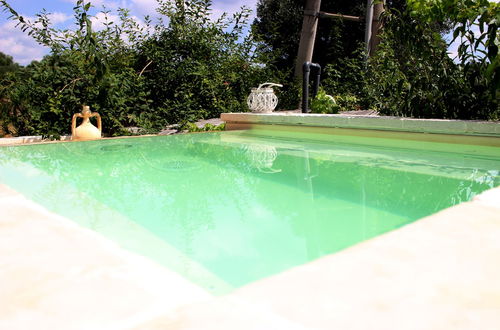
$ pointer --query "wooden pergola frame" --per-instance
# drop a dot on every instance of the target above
(312, 14)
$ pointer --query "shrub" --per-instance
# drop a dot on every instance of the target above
(188, 69)
(324, 103)
(84, 67)
(412, 75)
(199, 68)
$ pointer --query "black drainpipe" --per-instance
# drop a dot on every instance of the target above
(306, 69)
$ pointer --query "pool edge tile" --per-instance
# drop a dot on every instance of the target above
(59, 275)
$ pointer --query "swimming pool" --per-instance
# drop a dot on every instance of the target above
(228, 208)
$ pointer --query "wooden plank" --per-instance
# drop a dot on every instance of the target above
(340, 16)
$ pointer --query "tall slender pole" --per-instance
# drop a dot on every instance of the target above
(378, 9)
(368, 28)
(308, 34)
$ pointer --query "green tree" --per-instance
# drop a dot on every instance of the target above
(277, 28)
(84, 67)
(279, 22)
(184, 68)
(197, 67)
(476, 24)
(7, 64)
(412, 74)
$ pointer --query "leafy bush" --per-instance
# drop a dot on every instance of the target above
(346, 80)
(348, 102)
(346, 75)
(476, 22)
(84, 67)
(191, 127)
(148, 76)
(199, 68)
(7, 64)
(324, 103)
(412, 75)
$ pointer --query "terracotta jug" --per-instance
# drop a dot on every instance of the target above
(86, 131)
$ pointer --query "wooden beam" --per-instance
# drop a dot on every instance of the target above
(308, 34)
(310, 23)
(368, 26)
(378, 9)
(344, 17)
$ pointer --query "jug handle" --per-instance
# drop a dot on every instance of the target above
(99, 122)
(269, 84)
(73, 123)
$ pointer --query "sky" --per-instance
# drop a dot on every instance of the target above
(24, 49)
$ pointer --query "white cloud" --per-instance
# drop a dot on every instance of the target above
(230, 7)
(144, 7)
(98, 5)
(19, 45)
(137, 7)
(99, 20)
(24, 49)
(148, 7)
(95, 3)
(59, 18)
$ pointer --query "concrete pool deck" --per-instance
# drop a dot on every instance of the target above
(440, 272)
(55, 274)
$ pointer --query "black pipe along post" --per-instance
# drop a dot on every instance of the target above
(306, 70)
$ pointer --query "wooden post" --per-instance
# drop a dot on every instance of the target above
(368, 26)
(378, 9)
(308, 34)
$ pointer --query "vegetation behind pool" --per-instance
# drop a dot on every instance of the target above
(195, 68)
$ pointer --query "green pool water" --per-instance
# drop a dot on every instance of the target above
(224, 209)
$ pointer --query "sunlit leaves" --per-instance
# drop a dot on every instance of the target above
(476, 24)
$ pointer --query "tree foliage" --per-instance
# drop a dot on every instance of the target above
(184, 68)
(412, 74)
(475, 24)
(279, 22)
(188, 66)
(277, 28)
(7, 64)
(198, 68)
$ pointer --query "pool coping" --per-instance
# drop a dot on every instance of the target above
(367, 122)
(30, 139)
(59, 275)
(38, 139)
